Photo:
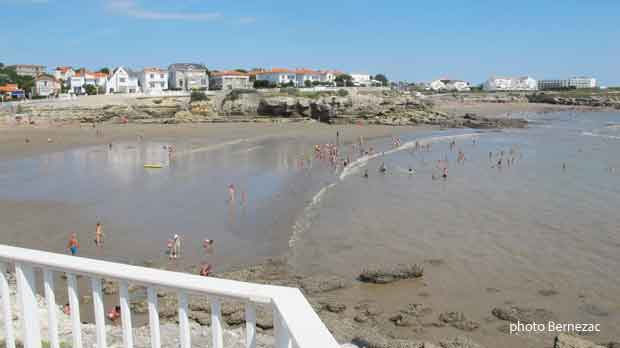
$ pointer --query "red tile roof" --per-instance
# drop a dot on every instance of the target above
(276, 71)
(9, 88)
(228, 73)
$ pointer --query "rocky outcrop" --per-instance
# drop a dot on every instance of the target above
(591, 101)
(336, 107)
(384, 275)
(522, 314)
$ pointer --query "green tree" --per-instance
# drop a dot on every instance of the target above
(197, 96)
(344, 80)
(242, 71)
(308, 83)
(105, 70)
(381, 78)
(90, 89)
(1, 65)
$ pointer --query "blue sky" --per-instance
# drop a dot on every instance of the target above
(405, 39)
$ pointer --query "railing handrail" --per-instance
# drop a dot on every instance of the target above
(304, 325)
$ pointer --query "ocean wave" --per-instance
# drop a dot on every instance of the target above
(359, 163)
(303, 223)
(606, 136)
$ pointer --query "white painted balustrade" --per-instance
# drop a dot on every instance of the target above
(295, 322)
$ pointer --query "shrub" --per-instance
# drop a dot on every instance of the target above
(197, 96)
(343, 93)
(263, 84)
(90, 89)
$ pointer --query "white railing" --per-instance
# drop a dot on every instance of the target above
(295, 322)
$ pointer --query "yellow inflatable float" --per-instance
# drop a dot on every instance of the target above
(153, 166)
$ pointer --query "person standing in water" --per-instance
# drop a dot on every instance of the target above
(176, 247)
(73, 244)
(231, 192)
(99, 234)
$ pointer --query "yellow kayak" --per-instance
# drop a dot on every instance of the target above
(153, 166)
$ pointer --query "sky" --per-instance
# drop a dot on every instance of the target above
(404, 39)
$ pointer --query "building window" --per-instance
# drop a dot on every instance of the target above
(122, 79)
(152, 76)
(161, 76)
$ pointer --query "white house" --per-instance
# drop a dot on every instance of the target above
(303, 75)
(122, 80)
(77, 81)
(229, 80)
(153, 80)
(188, 76)
(329, 76)
(46, 85)
(500, 83)
(277, 76)
(449, 85)
(63, 73)
(361, 80)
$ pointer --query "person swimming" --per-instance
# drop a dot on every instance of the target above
(382, 168)
(365, 173)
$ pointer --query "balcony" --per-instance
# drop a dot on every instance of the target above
(295, 322)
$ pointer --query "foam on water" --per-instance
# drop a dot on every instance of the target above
(606, 136)
(304, 222)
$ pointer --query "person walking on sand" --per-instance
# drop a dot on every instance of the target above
(99, 235)
(176, 247)
(73, 244)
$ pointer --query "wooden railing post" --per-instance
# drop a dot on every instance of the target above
(99, 311)
(126, 315)
(52, 316)
(9, 334)
(74, 305)
(26, 290)
(154, 317)
(185, 336)
(250, 325)
(216, 323)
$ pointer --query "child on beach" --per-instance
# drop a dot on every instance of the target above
(73, 244)
(115, 313)
(205, 269)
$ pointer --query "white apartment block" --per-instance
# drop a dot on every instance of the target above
(573, 82)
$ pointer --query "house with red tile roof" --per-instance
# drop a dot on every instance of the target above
(229, 80)
(153, 80)
(46, 85)
(63, 73)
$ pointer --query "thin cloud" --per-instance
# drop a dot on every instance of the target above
(131, 8)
